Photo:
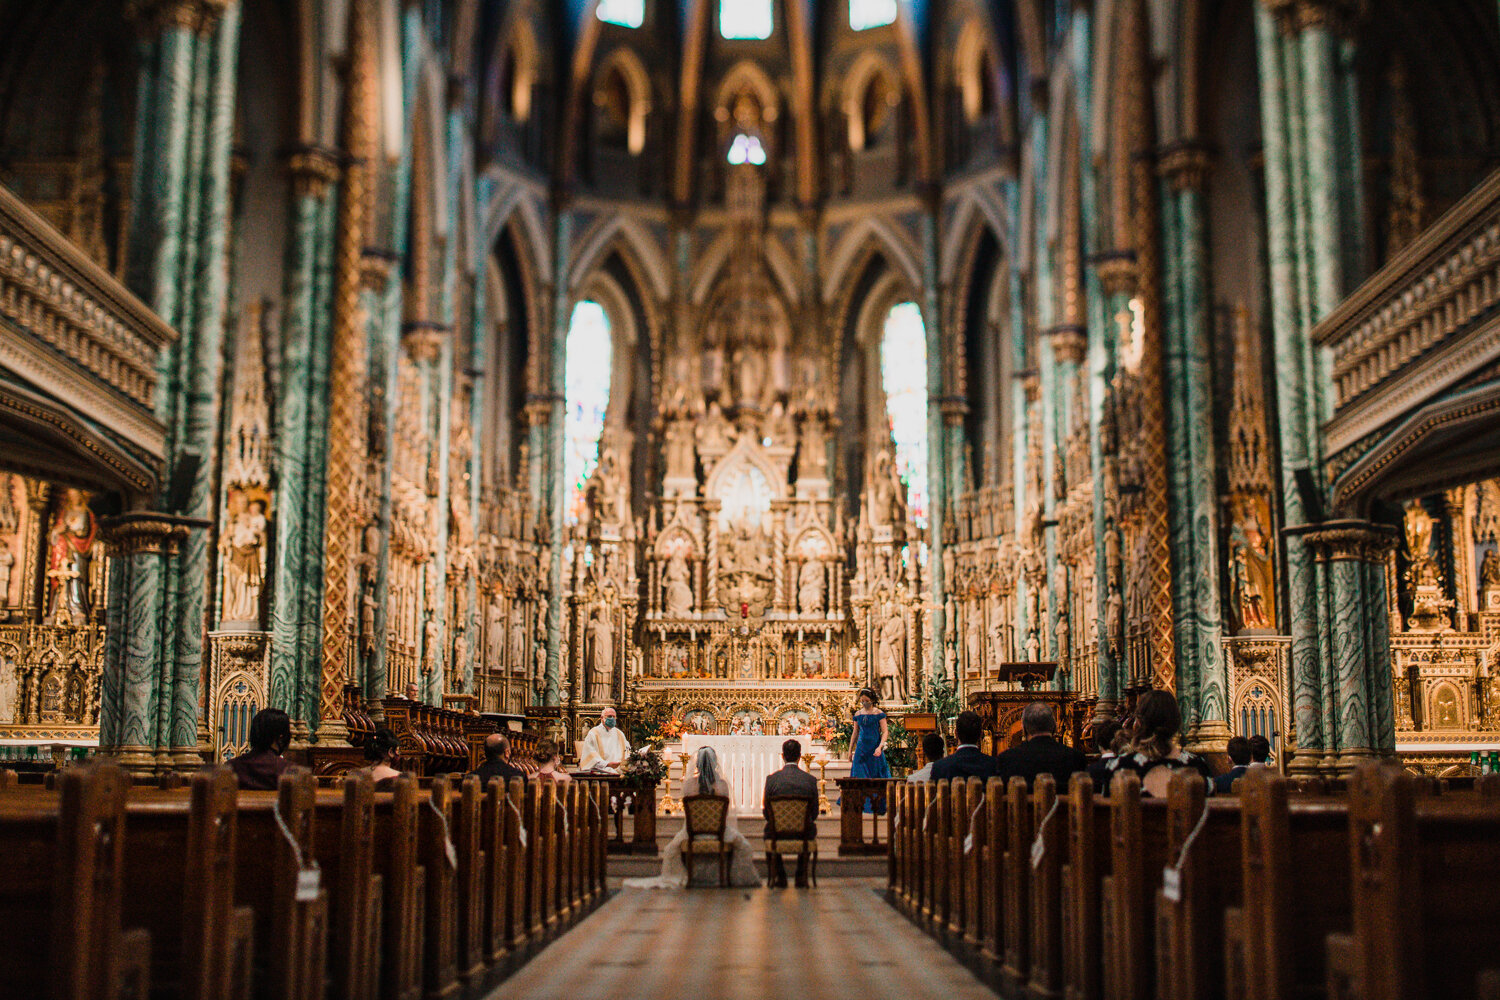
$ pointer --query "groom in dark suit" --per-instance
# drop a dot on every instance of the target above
(967, 761)
(790, 780)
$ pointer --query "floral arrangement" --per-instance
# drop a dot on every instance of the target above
(644, 768)
(821, 728)
(842, 738)
(669, 730)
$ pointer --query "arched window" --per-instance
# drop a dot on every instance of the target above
(627, 13)
(589, 363)
(903, 373)
(871, 13)
(745, 18)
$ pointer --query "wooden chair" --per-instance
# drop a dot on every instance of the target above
(791, 815)
(705, 816)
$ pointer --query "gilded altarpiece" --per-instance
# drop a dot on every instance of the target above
(53, 573)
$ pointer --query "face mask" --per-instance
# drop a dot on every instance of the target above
(609, 723)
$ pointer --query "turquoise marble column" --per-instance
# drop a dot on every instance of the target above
(938, 459)
(1201, 669)
(554, 487)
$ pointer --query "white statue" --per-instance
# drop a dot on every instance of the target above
(10, 691)
(7, 562)
(517, 645)
(713, 431)
(243, 547)
(602, 657)
(974, 642)
(679, 449)
(810, 588)
(679, 593)
(891, 655)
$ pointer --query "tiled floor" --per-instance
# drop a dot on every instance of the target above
(836, 941)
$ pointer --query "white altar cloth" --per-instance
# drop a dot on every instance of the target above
(746, 761)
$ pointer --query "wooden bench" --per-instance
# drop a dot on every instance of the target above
(61, 897)
(344, 845)
(1049, 838)
(403, 879)
(1200, 882)
(1087, 864)
(1138, 852)
(1425, 876)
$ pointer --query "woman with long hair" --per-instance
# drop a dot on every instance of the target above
(381, 750)
(549, 764)
(707, 779)
(1154, 750)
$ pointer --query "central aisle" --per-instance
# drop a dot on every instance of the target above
(842, 941)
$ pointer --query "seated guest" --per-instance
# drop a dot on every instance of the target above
(1239, 756)
(932, 752)
(1154, 752)
(549, 763)
(966, 761)
(497, 761)
(790, 780)
(605, 747)
(411, 691)
(1260, 751)
(270, 735)
(1041, 752)
(381, 750)
(1105, 734)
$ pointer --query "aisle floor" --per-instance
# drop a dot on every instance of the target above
(839, 940)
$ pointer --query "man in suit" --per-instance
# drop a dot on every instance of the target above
(1239, 756)
(966, 760)
(1041, 752)
(1104, 740)
(497, 762)
(790, 780)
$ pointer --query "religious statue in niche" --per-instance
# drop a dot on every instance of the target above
(601, 656)
(1114, 620)
(890, 659)
(677, 661)
(1252, 586)
(494, 635)
(1429, 606)
(746, 722)
(10, 691)
(887, 493)
(69, 546)
(432, 640)
(811, 586)
(974, 642)
(700, 721)
(517, 643)
(7, 567)
(243, 547)
(713, 433)
(677, 591)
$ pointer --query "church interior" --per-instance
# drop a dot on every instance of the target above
(454, 367)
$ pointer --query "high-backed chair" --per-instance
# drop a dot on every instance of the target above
(791, 817)
(705, 816)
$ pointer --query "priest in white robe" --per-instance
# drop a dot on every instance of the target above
(605, 747)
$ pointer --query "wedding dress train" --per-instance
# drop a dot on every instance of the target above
(742, 873)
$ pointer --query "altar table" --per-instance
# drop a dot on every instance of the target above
(746, 760)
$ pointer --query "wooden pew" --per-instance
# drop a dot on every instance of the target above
(975, 865)
(938, 818)
(536, 846)
(1049, 837)
(61, 897)
(1425, 878)
(958, 830)
(1087, 864)
(1016, 885)
(1273, 941)
(517, 845)
(404, 882)
(179, 868)
(439, 859)
(1202, 879)
(997, 824)
(473, 869)
(344, 844)
(494, 903)
(1138, 852)
(277, 876)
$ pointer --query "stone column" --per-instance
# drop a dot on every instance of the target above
(1202, 673)
(1354, 555)
(139, 711)
(1310, 218)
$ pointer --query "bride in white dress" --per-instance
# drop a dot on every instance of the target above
(706, 779)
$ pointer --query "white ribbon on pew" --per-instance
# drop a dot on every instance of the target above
(1171, 876)
(1038, 846)
(927, 815)
(969, 840)
(564, 811)
(447, 837)
(520, 820)
(309, 878)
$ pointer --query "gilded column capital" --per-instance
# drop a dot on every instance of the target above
(954, 409)
(1186, 165)
(1069, 343)
(314, 169)
(155, 16)
(424, 341)
(148, 533)
(1117, 270)
(1348, 540)
(376, 267)
(1340, 16)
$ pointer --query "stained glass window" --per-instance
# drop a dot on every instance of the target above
(628, 13)
(747, 149)
(903, 371)
(589, 359)
(871, 13)
(745, 18)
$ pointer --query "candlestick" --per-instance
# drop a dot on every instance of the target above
(823, 806)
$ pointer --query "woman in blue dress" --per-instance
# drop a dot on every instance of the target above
(868, 760)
